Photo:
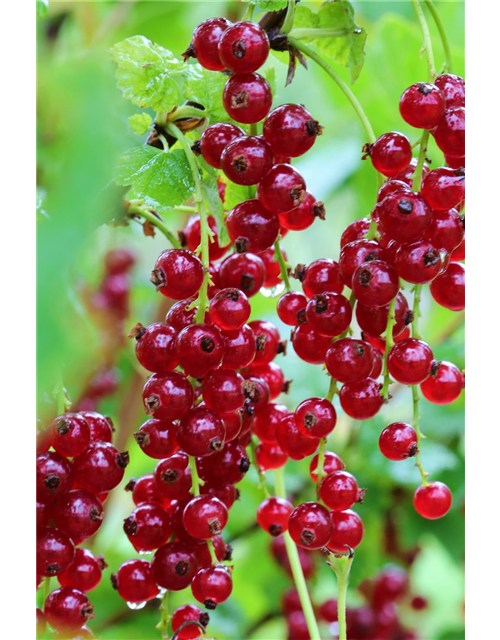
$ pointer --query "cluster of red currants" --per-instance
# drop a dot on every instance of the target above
(113, 296)
(77, 465)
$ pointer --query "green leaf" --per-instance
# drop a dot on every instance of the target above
(206, 87)
(140, 123)
(146, 73)
(268, 5)
(42, 6)
(134, 162)
(216, 209)
(235, 193)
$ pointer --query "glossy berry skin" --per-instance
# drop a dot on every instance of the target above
(458, 254)
(223, 391)
(291, 130)
(269, 338)
(270, 456)
(239, 348)
(291, 308)
(331, 463)
(310, 525)
(205, 517)
(418, 262)
(257, 394)
(135, 582)
(339, 490)
(304, 215)
(157, 438)
(273, 514)
(398, 441)
(404, 216)
(200, 432)
(321, 276)
(354, 254)
(447, 230)
(282, 189)
(84, 573)
(214, 140)
(233, 424)
(244, 271)
(274, 377)
(390, 153)
(70, 434)
(155, 346)
(448, 289)
(444, 188)
(100, 467)
(292, 441)
(212, 586)
(445, 385)
(433, 501)
(246, 160)
(450, 132)
(101, 427)
(315, 417)
(349, 360)
(200, 349)
(177, 274)
(67, 609)
(375, 283)
(78, 514)
(54, 475)
(244, 47)
(146, 491)
(54, 552)
(453, 89)
(247, 97)
(174, 566)
(361, 400)
(390, 186)
(173, 476)
(251, 227)
(179, 316)
(267, 419)
(329, 314)
(147, 527)
(205, 44)
(422, 105)
(348, 529)
(190, 236)
(227, 466)
(355, 230)
(189, 613)
(373, 320)
(309, 345)
(167, 396)
(410, 361)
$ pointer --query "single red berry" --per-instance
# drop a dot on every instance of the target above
(444, 385)
(157, 438)
(270, 456)
(422, 105)
(205, 43)
(247, 97)
(227, 494)
(246, 160)
(100, 467)
(239, 348)
(375, 283)
(177, 274)
(233, 423)
(390, 585)
(213, 141)
(174, 566)
(331, 463)
(155, 346)
(377, 364)
(70, 434)
(54, 475)
(339, 490)
(398, 441)
(147, 527)
(67, 609)
(268, 341)
(390, 186)
(329, 314)
(453, 89)
(450, 132)
(84, 573)
(145, 491)
(227, 466)
(244, 271)
(54, 552)
(355, 230)
(173, 476)
(212, 585)
(309, 345)
(291, 130)
(349, 360)
(252, 227)
(274, 377)
(315, 417)
(447, 230)
(328, 611)
(390, 153)
(354, 254)
(282, 189)
(78, 514)
(418, 262)
(200, 348)
(167, 396)
(310, 525)
(223, 391)
(304, 215)
(101, 427)
(444, 188)
(292, 441)
(321, 276)
(189, 613)
(135, 582)
(291, 308)
(448, 289)
(419, 603)
(180, 315)
(373, 320)
(190, 236)
(361, 400)
(273, 514)
(404, 216)
(458, 254)
(432, 501)
(200, 432)
(266, 421)
(290, 601)
(205, 517)
(347, 530)
(244, 47)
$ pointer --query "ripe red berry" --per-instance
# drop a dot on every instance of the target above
(444, 188)
(282, 189)
(223, 391)
(213, 141)
(78, 514)
(246, 160)
(268, 341)
(390, 585)
(67, 609)
(339, 490)
(347, 530)
(390, 153)
(247, 97)
(361, 400)
(227, 466)
(292, 441)
(373, 320)
(54, 475)
(450, 132)
(310, 525)
(444, 385)
(273, 376)
(432, 501)
(244, 47)
(304, 215)
(177, 274)
(147, 527)
(252, 227)
(354, 254)
(212, 585)
(205, 43)
(167, 396)
(200, 432)
(315, 417)
(418, 262)
(270, 456)
(189, 613)
(349, 360)
(135, 582)
(329, 314)
(155, 346)
(146, 491)
(375, 283)
(233, 424)
(84, 573)
(291, 130)
(101, 427)
(422, 105)
(447, 230)
(173, 476)
(448, 289)
(205, 517)
(190, 236)
(239, 348)
(404, 216)
(174, 566)
(453, 89)
(200, 349)
(70, 434)
(244, 271)
(157, 438)
(390, 186)
(266, 421)
(355, 230)
(291, 308)
(100, 467)
(398, 441)
(273, 514)
(309, 345)
(321, 276)
(54, 552)
(331, 463)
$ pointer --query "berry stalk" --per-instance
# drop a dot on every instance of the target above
(139, 208)
(416, 426)
(213, 556)
(341, 566)
(389, 343)
(195, 478)
(444, 38)
(427, 40)
(164, 617)
(320, 472)
(283, 265)
(253, 458)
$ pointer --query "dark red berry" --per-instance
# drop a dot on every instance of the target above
(78, 514)
(304, 215)
(223, 391)
(355, 230)
(214, 140)
(189, 613)
(212, 585)
(432, 501)
(404, 216)
(239, 348)
(101, 427)
(200, 348)
(448, 289)
(390, 153)
(205, 43)
(246, 160)
(226, 494)
(247, 97)
(200, 432)
(309, 345)
(291, 308)
(339, 490)
(361, 400)
(67, 609)
(155, 346)
(268, 341)
(274, 377)
(349, 360)
(266, 421)
(292, 441)
(270, 456)
(54, 475)
(447, 230)
(273, 514)
(321, 276)
(181, 314)
(291, 130)
(450, 132)
(146, 491)
(244, 47)
(329, 314)
(227, 466)
(418, 262)
(373, 320)
(390, 186)
(354, 254)
(310, 525)
(331, 463)
(244, 271)
(100, 467)
(347, 530)
(167, 396)
(390, 585)
(375, 283)
(205, 517)
(315, 417)
(147, 527)
(252, 227)
(444, 385)
(422, 105)
(84, 573)
(135, 582)
(453, 89)
(70, 434)
(157, 438)
(54, 552)
(174, 566)
(173, 476)
(282, 189)
(444, 188)
(398, 441)
(177, 274)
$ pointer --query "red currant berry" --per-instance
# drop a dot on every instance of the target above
(347, 530)
(309, 345)
(173, 476)
(205, 517)
(100, 467)
(315, 417)
(329, 314)
(321, 276)
(448, 289)
(43, 514)
(291, 308)
(290, 601)
(247, 97)
(390, 585)
(233, 423)
(268, 341)
(135, 582)
(270, 456)
(244, 271)
(180, 315)
(355, 230)
(84, 573)
(422, 105)
(227, 494)
(78, 514)
(212, 585)
(174, 566)
(223, 391)
(240, 348)
(189, 613)
(418, 262)
(389, 187)
(331, 463)
(54, 475)
(70, 434)
(190, 236)
(373, 320)
(167, 396)
(450, 132)
(398, 441)
(266, 421)
(349, 360)
(147, 527)
(404, 216)
(282, 189)
(458, 254)
(200, 432)
(68, 609)
(213, 141)
(444, 385)
(246, 160)
(444, 188)
(177, 274)
(205, 43)
(310, 525)
(447, 230)
(119, 261)
(390, 153)
(406, 176)
(377, 364)
(292, 441)
(453, 88)
(273, 376)
(375, 283)
(339, 490)
(244, 47)
(101, 427)
(291, 130)
(432, 501)
(146, 491)
(273, 514)
(157, 438)
(228, 466)
(54, 552)
(361, 400)
(155, 346)
(354, 254)
(252, 227)
(304, 215)
(200, 348)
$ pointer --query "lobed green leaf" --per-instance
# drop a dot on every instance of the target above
(140, 123)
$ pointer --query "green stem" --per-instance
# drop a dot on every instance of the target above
(213, 555)
(63, 403)
(298, 575)
(260, 473)
(320, 471)
(280, 258)
(248, 15)
(46, 588)
(188, 111)
(289, 18)
(341, 566)
(444, 39)
(195, 478)
(427, 40)
(332, 389)
(139, 208)
(417, 176)
(389, 343)
(164, 617)
(306, 34)
(420, 435)
(416, 311)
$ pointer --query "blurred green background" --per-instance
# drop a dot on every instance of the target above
(82, 130)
